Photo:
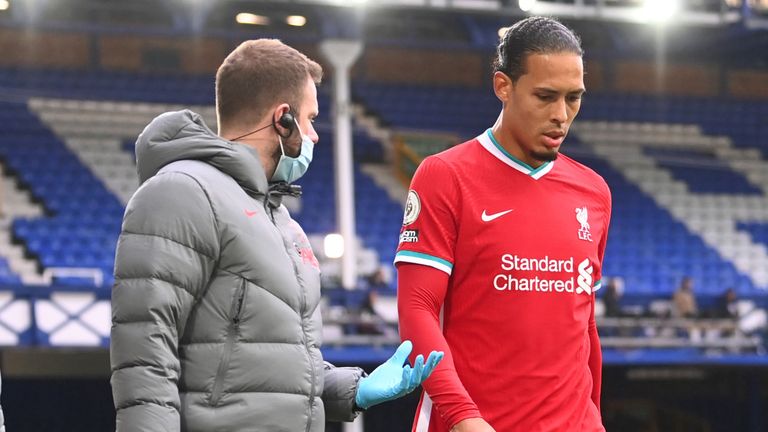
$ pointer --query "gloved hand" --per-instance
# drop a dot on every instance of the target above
(392, 380)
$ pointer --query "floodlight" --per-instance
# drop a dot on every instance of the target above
(526, 5)
(4, 5)
(296, 20)
(252, 19)
(333, 245)
(343, 2)
(659, 10)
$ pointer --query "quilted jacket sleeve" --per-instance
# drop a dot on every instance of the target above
(339, 392)
(166, 254)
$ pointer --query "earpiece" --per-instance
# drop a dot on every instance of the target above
(287, 121)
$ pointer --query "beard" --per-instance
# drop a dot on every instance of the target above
(545, 155)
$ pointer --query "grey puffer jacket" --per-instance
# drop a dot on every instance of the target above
(215, 318)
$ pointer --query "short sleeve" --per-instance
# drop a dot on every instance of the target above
(428, 235)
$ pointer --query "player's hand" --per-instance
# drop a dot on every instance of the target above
(395, 378)
(472, 425)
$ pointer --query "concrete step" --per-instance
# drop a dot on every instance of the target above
(11, 251)
(16, 202)
(23, 267)
(33, 279)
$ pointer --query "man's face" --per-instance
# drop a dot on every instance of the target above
(540, 107)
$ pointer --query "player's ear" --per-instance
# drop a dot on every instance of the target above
(502, 86)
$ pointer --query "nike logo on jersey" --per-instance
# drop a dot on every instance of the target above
(487, 218)
(250, 213)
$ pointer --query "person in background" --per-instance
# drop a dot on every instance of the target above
(684, 303)
(611, 298)
(727, 305)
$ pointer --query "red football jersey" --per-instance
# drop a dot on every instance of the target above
(523, 249)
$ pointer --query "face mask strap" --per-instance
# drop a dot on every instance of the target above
(282, 149)
(301, 140)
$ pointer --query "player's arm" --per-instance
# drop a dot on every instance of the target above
(595, 352)
(595, 360)
(165, 256)
(473, 425)
(421, 292)
(425, 261)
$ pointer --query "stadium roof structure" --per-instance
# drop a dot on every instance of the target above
(195, 14)
(731, 31)
(687, 11)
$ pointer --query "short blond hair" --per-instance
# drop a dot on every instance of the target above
(258, 74)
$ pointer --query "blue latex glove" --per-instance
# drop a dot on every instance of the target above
(395, 378)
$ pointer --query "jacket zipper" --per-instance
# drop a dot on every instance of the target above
(232, 330)
(309, 354)
(303, 327)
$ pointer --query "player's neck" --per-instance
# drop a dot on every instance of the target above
(511, 146)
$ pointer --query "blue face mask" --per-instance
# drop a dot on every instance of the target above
(290, 169)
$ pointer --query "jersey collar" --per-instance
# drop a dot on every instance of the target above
(488, 141)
